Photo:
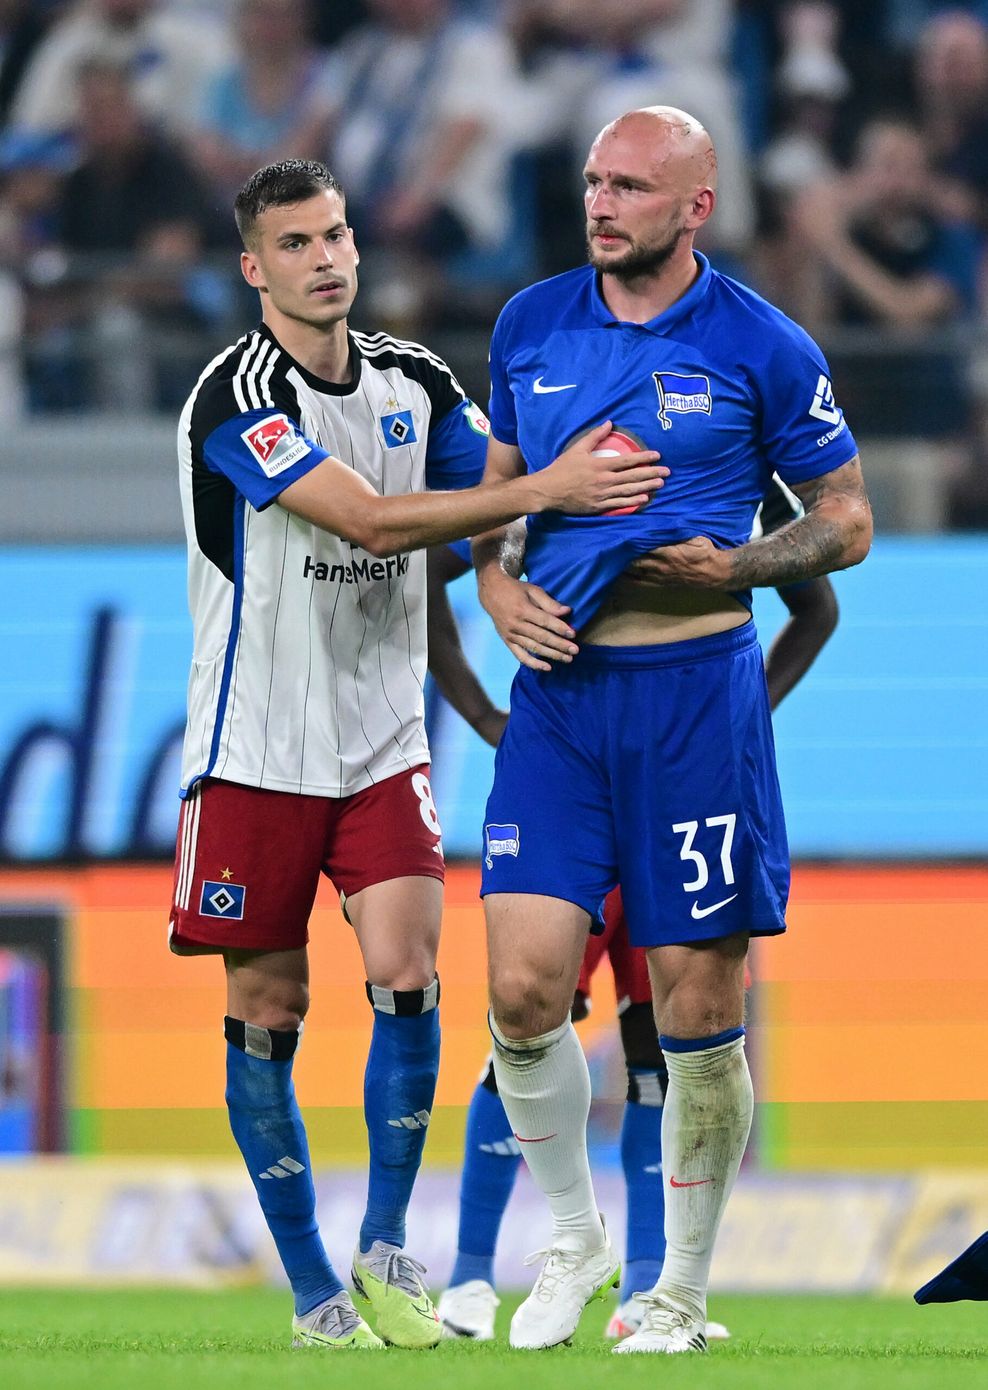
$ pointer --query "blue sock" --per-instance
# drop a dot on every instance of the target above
(491, 1160)
(399, 1088)
(267, 1126)
(641, 1159)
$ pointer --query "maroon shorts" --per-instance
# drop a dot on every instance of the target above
(248, 860)
(629, 963)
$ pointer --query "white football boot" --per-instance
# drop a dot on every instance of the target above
(627, 1318)
(567, 1282)
(467, 1310)
(664, 1329)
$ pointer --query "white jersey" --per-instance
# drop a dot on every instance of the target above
(310, 654)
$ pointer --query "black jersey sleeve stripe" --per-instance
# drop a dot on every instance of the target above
(419, 365)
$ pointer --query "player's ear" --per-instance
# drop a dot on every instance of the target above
(251, 270)
(356, 253)
(701, 207)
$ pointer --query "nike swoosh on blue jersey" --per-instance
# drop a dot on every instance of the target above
(541, 390)
(697, 911)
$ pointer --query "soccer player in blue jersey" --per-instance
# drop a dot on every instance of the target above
(492, 1155)
(643, 754)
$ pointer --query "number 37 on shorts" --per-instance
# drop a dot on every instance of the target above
(697, 859)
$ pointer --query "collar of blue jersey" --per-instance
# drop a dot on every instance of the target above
(662, 322)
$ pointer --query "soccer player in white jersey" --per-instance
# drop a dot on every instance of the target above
(304, 451)
(643, 753)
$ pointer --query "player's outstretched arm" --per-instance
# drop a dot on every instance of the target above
(813, 615)
(530, 623)
(834, 534)
(337, 499)
(448, 664)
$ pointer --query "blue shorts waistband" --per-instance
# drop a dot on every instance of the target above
(734, 640)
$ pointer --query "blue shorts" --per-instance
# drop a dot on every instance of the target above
(652, 767)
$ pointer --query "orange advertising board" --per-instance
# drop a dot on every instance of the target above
(868, 1036)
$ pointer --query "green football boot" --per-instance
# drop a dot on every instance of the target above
(391, 1282)
(336, 1325)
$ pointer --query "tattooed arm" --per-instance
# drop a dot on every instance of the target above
(834, 534)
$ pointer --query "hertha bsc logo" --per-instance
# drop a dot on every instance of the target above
(681, 395)
(274, 444)
(501, 839)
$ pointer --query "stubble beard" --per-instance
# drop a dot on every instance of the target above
(638, 261)
(303, 312)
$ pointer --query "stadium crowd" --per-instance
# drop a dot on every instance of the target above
(853, 144)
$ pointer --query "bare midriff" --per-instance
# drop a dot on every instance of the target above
(636, 615)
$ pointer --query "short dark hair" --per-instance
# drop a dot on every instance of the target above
(279, 185)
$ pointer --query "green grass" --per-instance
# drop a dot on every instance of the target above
(170, 1340)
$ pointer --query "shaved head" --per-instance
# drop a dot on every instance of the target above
(676, 140)
(651, 183)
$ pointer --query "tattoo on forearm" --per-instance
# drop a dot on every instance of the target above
(834, 533)
(802, 550)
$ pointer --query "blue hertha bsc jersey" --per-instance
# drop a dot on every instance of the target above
(726, 387)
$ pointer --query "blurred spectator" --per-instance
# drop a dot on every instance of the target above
(21, 29)
(269, 104)
(32, 169)
(131, 215)
(879, 253)
(33, 166)
(811, 87)
(169, 55)
(952, 92)
(418, 140)
(879, 240)
(812, 82)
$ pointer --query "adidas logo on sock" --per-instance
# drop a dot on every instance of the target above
(419, 1120)
(652, 1168)
(284, 1168)
(504, 1148)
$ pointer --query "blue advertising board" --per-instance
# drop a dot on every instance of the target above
(883, 750)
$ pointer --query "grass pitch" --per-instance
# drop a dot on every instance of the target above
(170, 1340)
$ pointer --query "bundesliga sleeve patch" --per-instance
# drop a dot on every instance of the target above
(274, 444)
(222, 900)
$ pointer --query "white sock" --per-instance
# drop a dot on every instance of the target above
(544, 1085)
(705, 1125)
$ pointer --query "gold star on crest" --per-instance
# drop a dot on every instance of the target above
(227, 874)
(391, 403)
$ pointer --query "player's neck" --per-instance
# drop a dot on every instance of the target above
(641, 298)
(325, 352)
